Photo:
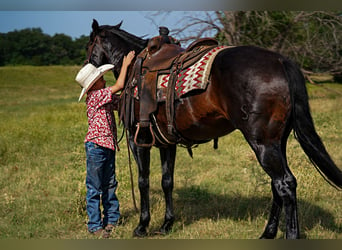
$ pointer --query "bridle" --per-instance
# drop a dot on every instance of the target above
(92, 46)
(91, 51)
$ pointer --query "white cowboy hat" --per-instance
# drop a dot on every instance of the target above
(89, 74)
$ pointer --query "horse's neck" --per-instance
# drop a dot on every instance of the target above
(139, 48)
(136, 43)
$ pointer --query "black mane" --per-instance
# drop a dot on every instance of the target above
(139, 42)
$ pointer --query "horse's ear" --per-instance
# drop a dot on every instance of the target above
(118, 25)
(95, 26)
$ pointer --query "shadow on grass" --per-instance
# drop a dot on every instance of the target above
(194, 203)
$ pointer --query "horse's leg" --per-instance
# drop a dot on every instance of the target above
(168, 156)
(273, 221)
(273, 161)
(142, 157)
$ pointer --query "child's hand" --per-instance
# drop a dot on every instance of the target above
(128, 58)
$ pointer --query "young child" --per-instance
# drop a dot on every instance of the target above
(100, 144)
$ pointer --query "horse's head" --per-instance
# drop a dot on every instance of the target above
(109, 44)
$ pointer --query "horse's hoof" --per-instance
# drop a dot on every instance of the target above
(140, 232)
(266, 236)
(262, 237)
(165, 228)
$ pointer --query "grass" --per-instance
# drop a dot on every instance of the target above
(219, 194)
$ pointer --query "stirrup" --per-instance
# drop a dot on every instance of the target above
(136, 136)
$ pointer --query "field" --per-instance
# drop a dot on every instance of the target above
(220, 194)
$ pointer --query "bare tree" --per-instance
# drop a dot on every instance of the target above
(313, 39)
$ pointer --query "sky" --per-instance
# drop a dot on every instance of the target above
(140, 17)
(169, 5)
(77, 23)
(74, 17)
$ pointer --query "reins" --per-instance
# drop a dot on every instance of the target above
(131, 173)
(130, 167)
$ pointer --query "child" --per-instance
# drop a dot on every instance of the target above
(100, 144)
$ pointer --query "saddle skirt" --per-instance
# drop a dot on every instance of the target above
(195, 77)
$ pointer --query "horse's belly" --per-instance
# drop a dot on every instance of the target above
(208, 127)
(202, 133)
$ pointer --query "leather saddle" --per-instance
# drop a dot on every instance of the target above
(163, 54)
(169, 54)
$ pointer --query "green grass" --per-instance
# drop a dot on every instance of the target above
(220, 193)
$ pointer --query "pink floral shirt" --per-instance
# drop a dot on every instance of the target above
(101, 121)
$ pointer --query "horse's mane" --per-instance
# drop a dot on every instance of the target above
(128, 37)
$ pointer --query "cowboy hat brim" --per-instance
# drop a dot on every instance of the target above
(99, 73)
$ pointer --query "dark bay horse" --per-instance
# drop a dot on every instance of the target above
(257, 91)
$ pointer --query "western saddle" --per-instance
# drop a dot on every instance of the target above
(163, 55)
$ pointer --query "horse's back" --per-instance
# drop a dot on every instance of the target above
(246, 72)
(247, 88)
(247, 61)
(256, 89)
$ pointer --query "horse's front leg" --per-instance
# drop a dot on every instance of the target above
(142, 157)
(168, 156)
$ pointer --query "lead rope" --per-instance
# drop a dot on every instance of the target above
(131, 174)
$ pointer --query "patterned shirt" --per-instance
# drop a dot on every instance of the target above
(101, 121)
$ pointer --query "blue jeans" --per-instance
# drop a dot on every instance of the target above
(101, 184)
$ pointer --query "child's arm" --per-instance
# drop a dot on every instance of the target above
(120, 82)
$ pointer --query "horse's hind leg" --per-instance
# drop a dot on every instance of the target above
(273, 221)
(168, 156)
(273, 161)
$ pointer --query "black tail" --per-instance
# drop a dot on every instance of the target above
(304, 127)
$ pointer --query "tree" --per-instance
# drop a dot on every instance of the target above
(61, 49)
(312, 39)
(80, 49)
(33, 47)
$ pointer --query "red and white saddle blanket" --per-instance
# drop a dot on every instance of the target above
(192, 78)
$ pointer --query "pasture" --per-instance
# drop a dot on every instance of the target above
(219, 194)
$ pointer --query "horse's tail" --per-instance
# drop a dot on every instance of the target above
(304, 127)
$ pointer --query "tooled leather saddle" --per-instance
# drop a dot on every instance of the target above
(163, 55)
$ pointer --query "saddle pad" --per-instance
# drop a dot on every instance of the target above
(194, 77)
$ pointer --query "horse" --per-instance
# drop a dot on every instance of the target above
(259, 92)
